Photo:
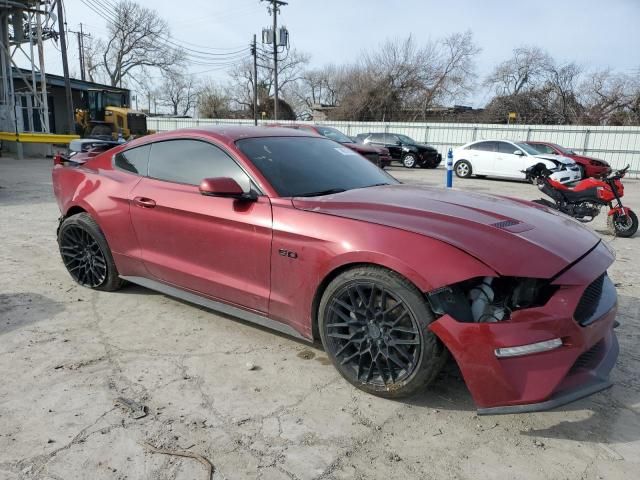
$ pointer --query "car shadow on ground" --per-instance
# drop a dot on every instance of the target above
(448, 392)
(20, 309)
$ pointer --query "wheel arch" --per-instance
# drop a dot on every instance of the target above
(334, 272)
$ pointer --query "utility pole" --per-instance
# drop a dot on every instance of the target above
(43, 78)
(65, 68)
(254, 52)
(81, 62)
(274, 9)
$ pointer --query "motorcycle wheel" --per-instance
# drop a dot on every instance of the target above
(623, 225)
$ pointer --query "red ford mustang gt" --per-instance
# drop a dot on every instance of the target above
(301, 234)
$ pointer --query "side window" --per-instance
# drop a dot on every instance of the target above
(504, 147)
(543, 148)
(391, 139)
(191, 161)
(377, 138)
(484, 146)
(134, 160)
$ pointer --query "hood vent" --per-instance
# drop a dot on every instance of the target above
(511, 225)
(504, 224)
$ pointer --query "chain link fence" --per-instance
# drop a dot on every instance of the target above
(620, 146)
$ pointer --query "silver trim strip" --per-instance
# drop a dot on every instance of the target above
(217, 306)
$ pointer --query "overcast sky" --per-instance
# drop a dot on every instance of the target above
(594, 33)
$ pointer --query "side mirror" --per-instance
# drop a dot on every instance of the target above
(398, 142)
(225, 187)
(518, 152)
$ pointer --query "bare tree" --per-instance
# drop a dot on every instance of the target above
(213, 101)
(606, 95)
(137, 39)
(290, 70)
(526, 69)
(93, 48)
(178, 92)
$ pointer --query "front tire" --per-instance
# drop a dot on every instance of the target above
(86, 254)
(373, 324)
(463, 169)
(409, 160)
(623, 225)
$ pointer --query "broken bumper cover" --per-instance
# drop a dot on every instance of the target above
(546, 379)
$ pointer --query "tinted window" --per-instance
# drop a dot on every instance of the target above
(190, 161)
(377, 138)
(542, 148)
(134, 160)
(298, 166)
(390, 139)
(504, 147)
(484, 146)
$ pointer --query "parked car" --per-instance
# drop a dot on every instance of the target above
(275, 226)
(404, 149)
(377, 155)
(589, 166)
(506, 159)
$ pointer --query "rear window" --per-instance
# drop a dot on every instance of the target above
(134, 160)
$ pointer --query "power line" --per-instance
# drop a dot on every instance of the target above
(197, 57)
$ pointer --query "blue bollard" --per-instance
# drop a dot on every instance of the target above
(450, 168)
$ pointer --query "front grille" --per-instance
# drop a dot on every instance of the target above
(589, 300)
(137, 123)
(587, 359)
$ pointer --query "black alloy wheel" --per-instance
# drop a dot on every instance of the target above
(374, 328)
(86, 255)
(82, 256)
(373, 333)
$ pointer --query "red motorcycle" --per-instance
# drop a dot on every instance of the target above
(584, 200)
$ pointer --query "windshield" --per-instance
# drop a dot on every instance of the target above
(528, 148)
(566, 151)
(334, 134)
(307, 166)
(405, 139)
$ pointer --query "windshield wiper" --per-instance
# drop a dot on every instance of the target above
(322, 192)
(377, 185)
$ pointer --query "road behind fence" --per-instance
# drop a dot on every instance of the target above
(618, 145)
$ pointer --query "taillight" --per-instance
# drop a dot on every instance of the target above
(57, 159)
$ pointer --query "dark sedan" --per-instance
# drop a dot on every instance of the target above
(404, 149)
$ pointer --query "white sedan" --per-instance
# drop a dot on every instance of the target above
(502, 158)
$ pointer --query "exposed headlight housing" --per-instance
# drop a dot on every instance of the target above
(490, 299)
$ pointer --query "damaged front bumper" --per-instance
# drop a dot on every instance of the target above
(581, 314)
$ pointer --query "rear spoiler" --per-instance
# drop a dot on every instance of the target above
(88, 151)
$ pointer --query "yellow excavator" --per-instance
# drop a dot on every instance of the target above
(106, 115)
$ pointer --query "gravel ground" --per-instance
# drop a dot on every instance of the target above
(68, 353)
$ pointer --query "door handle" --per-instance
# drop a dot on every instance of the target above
(144, 202)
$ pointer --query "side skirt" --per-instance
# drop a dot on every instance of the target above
(217, 306)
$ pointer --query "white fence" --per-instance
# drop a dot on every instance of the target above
(618, 145)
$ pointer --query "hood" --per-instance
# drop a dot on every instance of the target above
(513, 237)
(591, 159)
(424, 146)
(555, 158)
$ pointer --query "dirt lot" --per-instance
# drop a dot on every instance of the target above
(68, 353)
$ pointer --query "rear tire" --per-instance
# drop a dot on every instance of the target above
(624, 226)
(463, 169)
(373, 324)
(86, 254)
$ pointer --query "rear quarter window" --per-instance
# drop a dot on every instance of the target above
(134, 160)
